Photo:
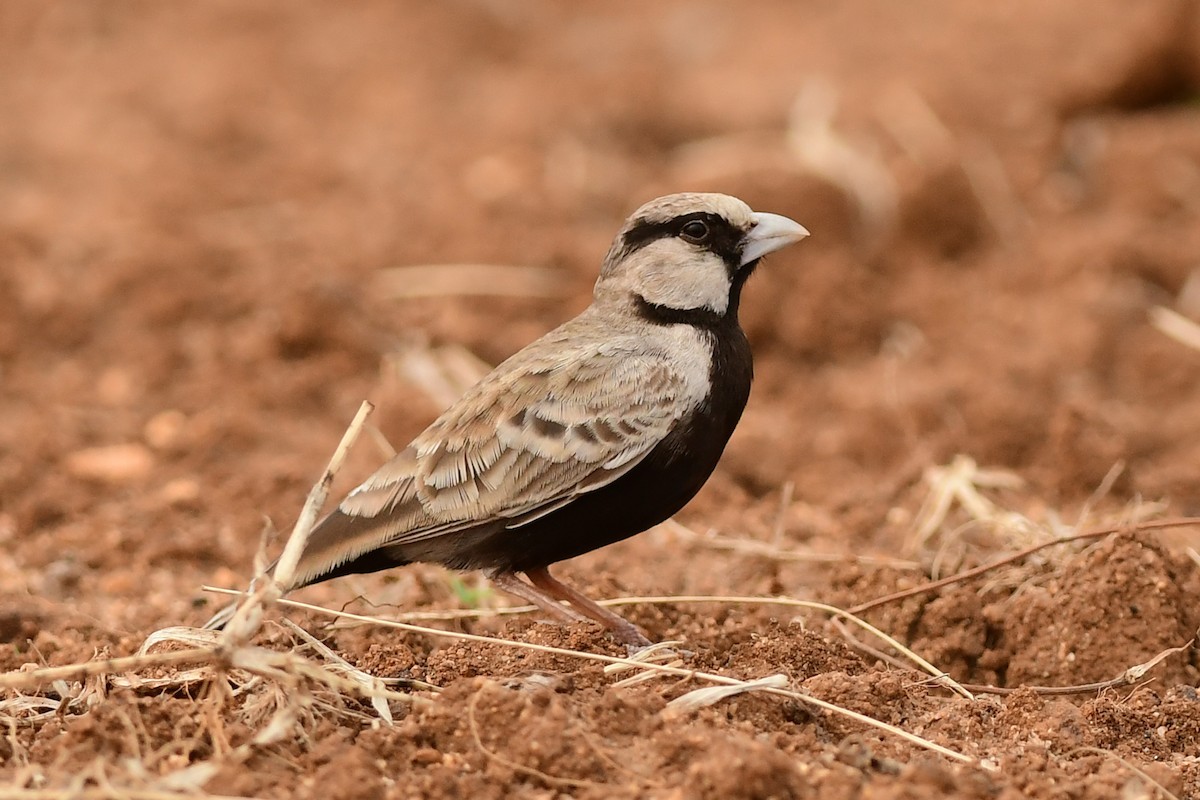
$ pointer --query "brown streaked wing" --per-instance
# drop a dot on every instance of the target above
(527, 439)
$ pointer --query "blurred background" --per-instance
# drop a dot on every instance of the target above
(222, 225)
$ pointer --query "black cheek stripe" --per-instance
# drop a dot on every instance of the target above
(724, 240)
(704, 318)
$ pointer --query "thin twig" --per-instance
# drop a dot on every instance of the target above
(28, 679)
(664, 668)
(1102, 490)
(785, 503)
(873, 652)
(1175, 522)
(833, 611)
(1176, 325)
(711, 695)
(285, 569)
(1129, 677)
(108, 793)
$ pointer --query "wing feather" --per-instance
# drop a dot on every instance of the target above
(549, 424)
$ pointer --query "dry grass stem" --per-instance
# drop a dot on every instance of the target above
(959, 483)
(108, 793)
(371, 686)
(241, 625)
(860, 173)
(1102, 490)
(443, 373)
(663, 668)
(926, 139)
(833, 611)
(715, 159)
(1174, 522)
(993, 189)
(40, 676)
(282, 679)
(286, 567)
(385, 448)
(873, 652)
(1129, 677)
(1176, 326)
(658, 653)
(711, 695)
(1194, 555)
(907, 116)
(1138, 671)
(785, 502)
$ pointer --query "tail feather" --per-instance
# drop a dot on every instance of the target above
(330, 553)
(342, 544)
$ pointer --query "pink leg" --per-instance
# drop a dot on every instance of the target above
(624, 630)
(509, 582)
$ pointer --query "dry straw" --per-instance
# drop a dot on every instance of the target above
(230, 653)
(665, 669)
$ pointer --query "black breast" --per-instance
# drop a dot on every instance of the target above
(660, 485)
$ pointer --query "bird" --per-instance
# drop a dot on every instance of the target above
(599, 430)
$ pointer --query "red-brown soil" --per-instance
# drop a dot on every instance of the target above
(196, 205)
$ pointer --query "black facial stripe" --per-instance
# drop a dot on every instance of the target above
(665, 315)
(724, 239)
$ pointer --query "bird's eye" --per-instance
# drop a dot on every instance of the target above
(694, 232)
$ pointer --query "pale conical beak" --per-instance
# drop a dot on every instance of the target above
(770, 233)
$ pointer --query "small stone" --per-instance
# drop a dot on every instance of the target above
(180, 492)
(117, 463)
(427, 755)
(116, 387)
(165, 429)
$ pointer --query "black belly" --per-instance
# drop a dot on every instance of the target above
(661, 484)
(648, 494)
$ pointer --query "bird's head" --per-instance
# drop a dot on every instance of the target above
(689, 254)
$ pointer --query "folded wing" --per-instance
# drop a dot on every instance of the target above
(533, 435)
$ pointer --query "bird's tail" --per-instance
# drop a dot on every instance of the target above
(324, 558)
